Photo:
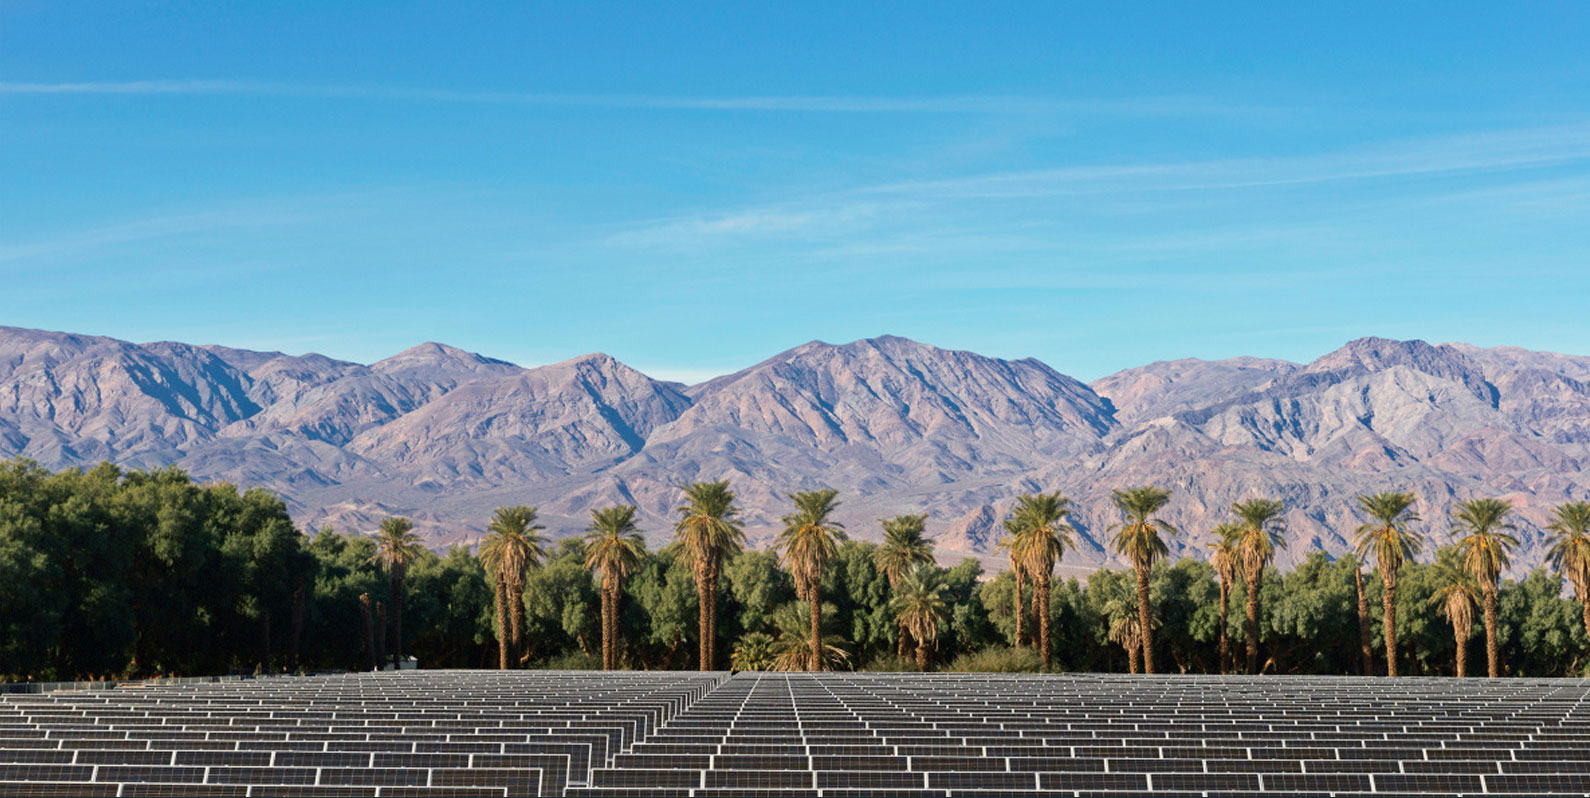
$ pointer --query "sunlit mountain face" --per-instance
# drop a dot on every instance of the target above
(443, 436)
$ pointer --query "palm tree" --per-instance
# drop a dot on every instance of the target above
(614, 547)
(1259, 525)
(1041, 540)
(809, 541)
(1139, 541)
(1455, 596)
(708, 530)
(1570, 550)
(1365, 651)
(1126, 624)
(754, 652)
(1125, 629)
(1484, 548)
(396, 547)
(792, 650)
(510, 550)
(919, 606)
(1225, 559)
(1011, 543)
(904, 548)
(1392, 543)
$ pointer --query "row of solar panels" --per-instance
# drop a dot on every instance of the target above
(524, 733)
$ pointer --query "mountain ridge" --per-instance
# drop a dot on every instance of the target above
(897, 426)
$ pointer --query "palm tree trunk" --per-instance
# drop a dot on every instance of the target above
(1253, 576)
(1461, 636)
(1365, 650)
(1043, 618)
(921, 657)
(618, 596)
(817, 627)
(712, 615)
(894, 587)
(704, 601)
(380, 634)
(1021, 608)
(1143, 615)
(516, 614)
(1225, 645)
(1133, 653)
(1584, 604)
(502, 622)
(1493, 659)
(368, 616)
(607, 621)
(1388, 605)
(397, 613)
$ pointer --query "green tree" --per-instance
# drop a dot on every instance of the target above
(1389, 540)
(450, 604)
(920, 607)
(396, 547)
(1225, 557)
(754, 652)
(904, 547)
(661, 612)
(1042, 538)
(560, 607)
(1260, 526)
(1455, 597)
(1365, 650)
(1138, 539)
(1570, 551)
(708, 531)
(1126, 629)
(756, 587)
(808, 542)
(1543, 634)
(613, 547)
(511, 548)
(1011, 543)
(1484, 547)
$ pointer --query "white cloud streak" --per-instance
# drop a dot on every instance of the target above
(1167, 106)
(841, 214)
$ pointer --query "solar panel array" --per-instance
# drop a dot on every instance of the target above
(660, 734)
(413, 734)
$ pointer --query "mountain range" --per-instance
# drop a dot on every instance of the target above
(444, 436)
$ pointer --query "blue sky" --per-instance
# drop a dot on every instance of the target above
(694, 188)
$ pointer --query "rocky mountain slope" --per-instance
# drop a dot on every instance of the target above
(444, 435)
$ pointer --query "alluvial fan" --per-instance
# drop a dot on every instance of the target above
(659, 734)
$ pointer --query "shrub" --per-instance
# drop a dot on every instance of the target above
(997, 659)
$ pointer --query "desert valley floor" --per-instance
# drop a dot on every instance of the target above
(522, 733)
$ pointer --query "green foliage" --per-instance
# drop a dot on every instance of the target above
(112, 573)
(562, 605)
(996, 659)
(754, 652)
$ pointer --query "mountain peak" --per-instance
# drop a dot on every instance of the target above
(432, 355)
(1367, 355)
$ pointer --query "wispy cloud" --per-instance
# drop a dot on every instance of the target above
(146, 229)
(1432, 156)
(178, 223)
(1157, 106)
(932, 215)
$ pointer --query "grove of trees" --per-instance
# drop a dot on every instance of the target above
(106, 573)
